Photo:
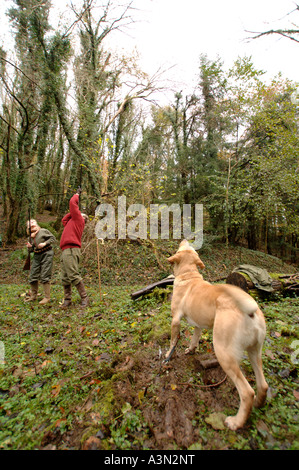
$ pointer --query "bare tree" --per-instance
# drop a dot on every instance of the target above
(289, 33)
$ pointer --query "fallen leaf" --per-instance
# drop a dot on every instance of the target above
(95, 417)
(128, 364)
(7, 442)
(105, 357)
(50, 447)
(173, 386)
(271, 393)
(18, 372)
(59, 422)
(269, 353)
(216, 420)
(55, 390)
(94, 381)
(140, 396)
(92, 443)
(296, 394)
(264, 430)
(195, 446)
(29, 373)
(46, 363)
(126, 408)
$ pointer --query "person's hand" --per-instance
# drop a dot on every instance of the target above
(29, 245)
(41, 245)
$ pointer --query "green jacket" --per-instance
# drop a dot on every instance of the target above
(43, 236)
(259, 276)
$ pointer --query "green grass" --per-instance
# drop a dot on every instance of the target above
(47, 354)
(59, 382)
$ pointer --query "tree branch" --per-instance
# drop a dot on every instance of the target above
(20, 70)
(282, 32)
(287, 33)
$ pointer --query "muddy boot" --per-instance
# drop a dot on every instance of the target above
(82, 292)
(46, 299)
(33, 292)
(67, 296)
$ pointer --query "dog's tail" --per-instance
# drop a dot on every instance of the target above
(243, 301)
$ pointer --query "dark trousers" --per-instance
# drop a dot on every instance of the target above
(70, 261)
(41, 267)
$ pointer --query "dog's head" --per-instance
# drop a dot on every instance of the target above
(185, 258)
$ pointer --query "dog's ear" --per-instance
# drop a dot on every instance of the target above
(200, 263)
(175, 258)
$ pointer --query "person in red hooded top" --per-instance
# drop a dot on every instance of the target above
(70, 244)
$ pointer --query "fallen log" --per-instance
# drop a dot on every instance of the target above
(280, 283)
(168, 281)
(237, 279)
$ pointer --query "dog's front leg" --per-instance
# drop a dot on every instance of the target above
(175, 332)
(194, 341)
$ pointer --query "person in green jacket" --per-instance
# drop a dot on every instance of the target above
(41, 241)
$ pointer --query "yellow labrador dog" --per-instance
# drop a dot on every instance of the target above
(238, 324)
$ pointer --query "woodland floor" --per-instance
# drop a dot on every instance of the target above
(95, 378)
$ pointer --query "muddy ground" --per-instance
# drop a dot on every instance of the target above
(173, 403)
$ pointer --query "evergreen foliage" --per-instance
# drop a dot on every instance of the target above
(74, 112)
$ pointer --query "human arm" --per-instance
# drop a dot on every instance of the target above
(74, 207)
(45, 237)
(65, 219)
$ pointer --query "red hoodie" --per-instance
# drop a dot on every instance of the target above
(73, 226)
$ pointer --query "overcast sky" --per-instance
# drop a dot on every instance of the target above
(178, 31)
(175, 32)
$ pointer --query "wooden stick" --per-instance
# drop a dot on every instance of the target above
(99, 272)
(204, 386)
(172, 350)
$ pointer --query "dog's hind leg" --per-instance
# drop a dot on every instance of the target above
(230, 365)
(175, 333)
(194, 341)
(255, 357)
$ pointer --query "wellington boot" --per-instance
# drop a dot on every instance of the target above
(82, 292)
(33, 292)
(67, 297)
(47, 289)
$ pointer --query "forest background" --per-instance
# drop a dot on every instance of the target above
(75, 113)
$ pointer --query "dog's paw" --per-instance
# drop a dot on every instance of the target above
(260, 399)
(232, 423)
(190, 351)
